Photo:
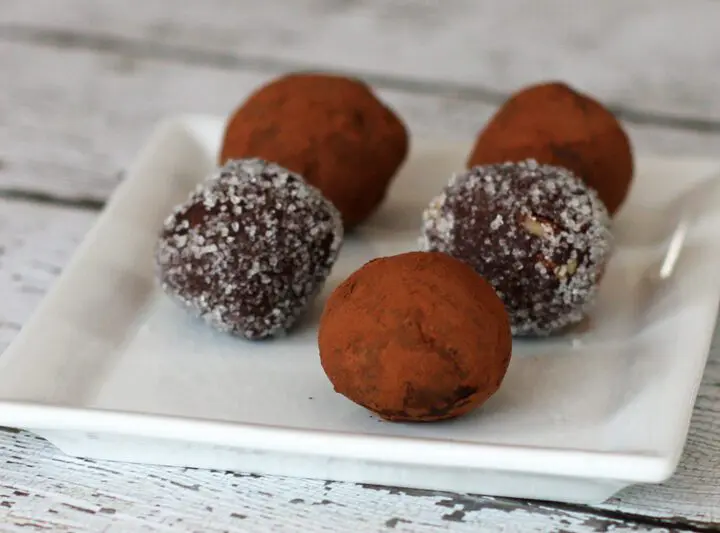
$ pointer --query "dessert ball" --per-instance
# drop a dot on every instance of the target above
(537, 233)
(330, 129)
(415, 337)
(556, 125)
(249, 249)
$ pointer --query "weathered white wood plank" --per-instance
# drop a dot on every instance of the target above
(655, 55)
(37, 241)
(106, 496)
(71, 120)
(42, 489)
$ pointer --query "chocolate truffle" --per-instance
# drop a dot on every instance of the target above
(556, 125)
(249, 249)
(415, 337)
(330, 129)
(537, 233)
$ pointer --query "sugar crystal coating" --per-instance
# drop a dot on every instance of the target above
(249, 249)
(537, 233)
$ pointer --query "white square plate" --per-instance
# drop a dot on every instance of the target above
(109, 368)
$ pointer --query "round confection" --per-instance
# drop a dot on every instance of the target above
(536, 232)
(330, 129)
(415, 337)
(249, 249)
(557, 125)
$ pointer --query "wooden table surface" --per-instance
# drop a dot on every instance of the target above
(82, 84)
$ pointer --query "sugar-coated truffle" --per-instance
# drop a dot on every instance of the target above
(415, 337)
(330, 129)
(557, 125)
(249, 249)
(537, 233)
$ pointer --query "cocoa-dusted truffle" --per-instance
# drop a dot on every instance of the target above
(415, 337)
(537, 233)
(249, 249)
(330, 129)
(556, 125)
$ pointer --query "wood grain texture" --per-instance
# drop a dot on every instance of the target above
(85, 81)
(71, 136)
(652, 55)
(36, 241)
(42, 490)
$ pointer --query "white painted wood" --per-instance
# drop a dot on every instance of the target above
(36, 241)
(655, 55)
(71, 135)
(41, 489)
(84, 82)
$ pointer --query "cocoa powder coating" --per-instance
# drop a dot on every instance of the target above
(415, 337)
(554, 124)
(330, 129)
